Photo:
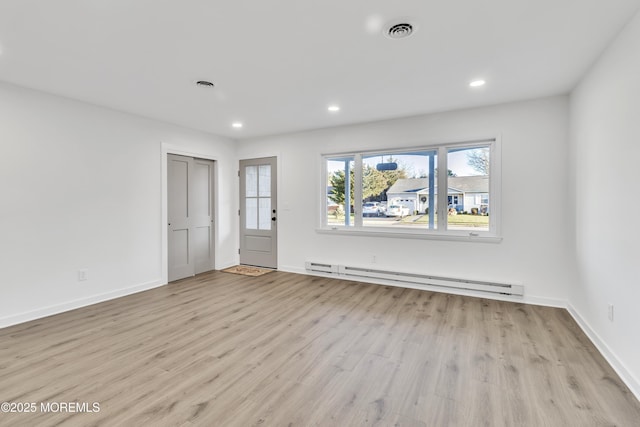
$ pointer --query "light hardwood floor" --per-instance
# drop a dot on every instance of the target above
(291, 350)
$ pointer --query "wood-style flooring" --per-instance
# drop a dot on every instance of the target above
(292, 350)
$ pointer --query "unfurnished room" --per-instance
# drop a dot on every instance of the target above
(298, 213)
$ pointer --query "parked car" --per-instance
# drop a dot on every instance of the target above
(397, 210)
(371, 209)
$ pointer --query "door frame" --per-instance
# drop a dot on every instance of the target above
(167, 149)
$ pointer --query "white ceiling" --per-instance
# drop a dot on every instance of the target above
(278, 64)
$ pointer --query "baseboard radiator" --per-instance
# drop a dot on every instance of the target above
(419, 279)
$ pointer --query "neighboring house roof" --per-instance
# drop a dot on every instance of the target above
(409, 185)
(465, 184)
(470, 184)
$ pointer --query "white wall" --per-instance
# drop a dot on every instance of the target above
(605, 148)
(80, 187)
(535, 250)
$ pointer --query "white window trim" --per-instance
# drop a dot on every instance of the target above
(493, 235)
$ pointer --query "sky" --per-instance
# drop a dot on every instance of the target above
(418, 165)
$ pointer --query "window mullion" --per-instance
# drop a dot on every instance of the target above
(495, 190)
(432, 192)
(323, 191)
(442, 191)
(357, 190)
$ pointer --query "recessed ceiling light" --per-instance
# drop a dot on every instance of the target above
(477, 83)
(374, 24)
(204, 83)
(236, 125)
(333, 108)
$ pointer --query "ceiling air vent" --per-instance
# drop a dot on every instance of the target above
(204, 83)
(399, 31)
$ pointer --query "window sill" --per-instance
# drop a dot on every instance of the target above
(410, 234)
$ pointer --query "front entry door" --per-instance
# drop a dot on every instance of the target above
(190, 214)
(258, 213)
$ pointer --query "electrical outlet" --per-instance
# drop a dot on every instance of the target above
(83, 275)
(610, 312)
(374, 259)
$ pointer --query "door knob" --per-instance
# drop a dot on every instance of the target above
(273, 218)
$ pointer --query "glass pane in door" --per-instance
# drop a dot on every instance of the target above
(251, 213)
(264, 213)
(251, 173)
(264, 181)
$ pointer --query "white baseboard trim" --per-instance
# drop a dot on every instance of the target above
(78, 303)
(226, 264)
(297, 270)
(625, 375)
(546, 302)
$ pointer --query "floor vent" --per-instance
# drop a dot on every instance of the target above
(420, 279)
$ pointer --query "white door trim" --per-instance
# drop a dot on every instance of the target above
(167, 149)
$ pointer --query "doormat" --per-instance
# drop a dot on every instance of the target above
(247, 270)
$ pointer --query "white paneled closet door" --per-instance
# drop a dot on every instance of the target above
(190, 214)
